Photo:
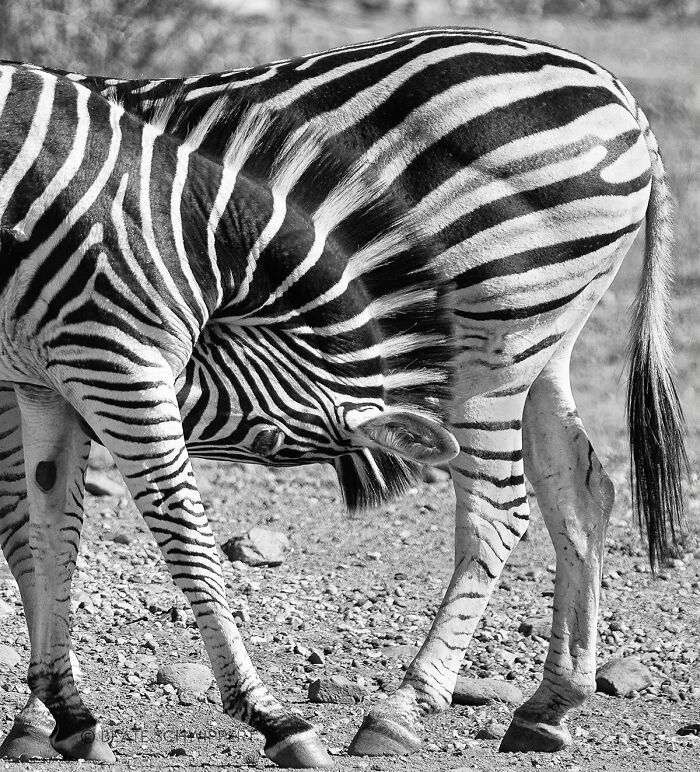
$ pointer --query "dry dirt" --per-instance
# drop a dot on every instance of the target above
(364, 591)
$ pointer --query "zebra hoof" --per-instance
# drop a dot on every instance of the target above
(381, 736)
(25, 741)
(300, 751)
(523, 736)
(86, 744)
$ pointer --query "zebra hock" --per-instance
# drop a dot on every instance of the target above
(531, 167)
(120, 246)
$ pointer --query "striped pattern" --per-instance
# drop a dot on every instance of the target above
(526, 172)
(124, 248)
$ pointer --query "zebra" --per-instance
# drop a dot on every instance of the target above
(532, 169)
(123, 249)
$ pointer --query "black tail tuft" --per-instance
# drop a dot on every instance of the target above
(654, 414)
(659, 459)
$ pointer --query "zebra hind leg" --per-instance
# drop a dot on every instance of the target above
(576, 498)
(144, 435)
(55, 455)
(492, 514)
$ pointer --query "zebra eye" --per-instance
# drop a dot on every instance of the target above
(268, 441)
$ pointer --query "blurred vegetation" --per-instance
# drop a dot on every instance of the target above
(174, 37)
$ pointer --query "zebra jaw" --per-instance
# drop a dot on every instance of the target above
(411, 435)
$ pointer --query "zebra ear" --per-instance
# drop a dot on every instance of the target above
(410, 435)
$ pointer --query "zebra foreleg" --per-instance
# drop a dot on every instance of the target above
(492, 515)
(29, 736)
(147, 444)
(576, 498)
(55, 455)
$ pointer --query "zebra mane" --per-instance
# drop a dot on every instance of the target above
(348, 203)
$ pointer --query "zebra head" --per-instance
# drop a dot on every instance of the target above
(332, 342)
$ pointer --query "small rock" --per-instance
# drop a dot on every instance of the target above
(535, 573)
(177, 752)
(258, 547)
(8, 656)
(541, 626)
(82, 599)
(123, 538)
(484, 691)
(190, 677)
(98, 483)
(491, 732)
(336, 690)
(186, 697)
(435, 474)
(100, 458)
(689, 729)
(619, 677)
(403, 651)
(316, 657)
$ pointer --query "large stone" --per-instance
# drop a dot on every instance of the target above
(619, 677)
(188, 677)
(98, 483)
(5, 609)
(485, 691)
(336, 690)
(258, 547)
(491, 732)
(8, 656)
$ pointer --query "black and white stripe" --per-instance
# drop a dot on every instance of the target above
(526, 171)
(124, 249)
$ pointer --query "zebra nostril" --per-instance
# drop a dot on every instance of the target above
(268, 441)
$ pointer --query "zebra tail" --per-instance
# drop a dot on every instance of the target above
(654, 414)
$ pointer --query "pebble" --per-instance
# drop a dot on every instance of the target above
(541, 626)
(258, 547)
(619, 677)
(316, 657)
(485, 691)
(192, 677)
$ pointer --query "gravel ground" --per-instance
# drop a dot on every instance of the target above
(361, 592)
